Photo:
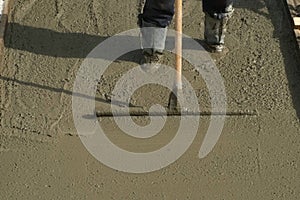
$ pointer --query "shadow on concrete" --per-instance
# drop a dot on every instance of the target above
(48, 42)
(281, 19)
(42, 41)
(44, 87)
(64, 91)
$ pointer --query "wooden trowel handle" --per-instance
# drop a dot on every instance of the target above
(178, 42)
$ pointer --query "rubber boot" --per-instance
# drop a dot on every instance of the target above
(153, 44)
(215, 29)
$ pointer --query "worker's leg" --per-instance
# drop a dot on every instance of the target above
(224, 22)
(215, 28)
(211, 33)
(157, 15)
(158, 12)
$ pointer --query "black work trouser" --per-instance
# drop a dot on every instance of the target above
(158, 12)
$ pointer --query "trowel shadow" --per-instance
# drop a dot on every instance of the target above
(67, 92)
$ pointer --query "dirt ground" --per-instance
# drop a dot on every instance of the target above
(41, 156)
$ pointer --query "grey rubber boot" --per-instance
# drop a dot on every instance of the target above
(153, 41)
(215, 29)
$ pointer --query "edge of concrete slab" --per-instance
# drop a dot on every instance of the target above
(293, 9)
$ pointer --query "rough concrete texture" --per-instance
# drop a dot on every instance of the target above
(257, 157)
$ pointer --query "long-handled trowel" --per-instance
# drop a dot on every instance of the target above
(176, 94)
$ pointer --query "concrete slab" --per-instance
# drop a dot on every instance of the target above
(256, 157)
